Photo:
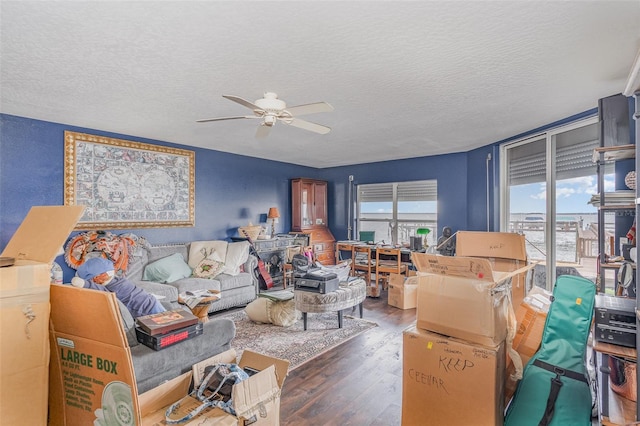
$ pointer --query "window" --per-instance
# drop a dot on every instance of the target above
(395, 211)
(548, 182)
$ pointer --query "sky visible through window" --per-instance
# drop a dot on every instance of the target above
(572, 195)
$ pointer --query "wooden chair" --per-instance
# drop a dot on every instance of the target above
(388, 261)
(362, 263)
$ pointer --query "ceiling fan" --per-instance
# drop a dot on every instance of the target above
(271, 109)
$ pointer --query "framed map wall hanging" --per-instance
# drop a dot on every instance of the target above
(126, 184)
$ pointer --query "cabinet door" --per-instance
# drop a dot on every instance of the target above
(298, 209)
(320, 203)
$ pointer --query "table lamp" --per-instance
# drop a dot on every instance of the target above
(423, 233)
(273, 214)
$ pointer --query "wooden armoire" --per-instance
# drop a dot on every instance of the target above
(309, 216)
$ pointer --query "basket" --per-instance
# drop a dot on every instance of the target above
(251, 232)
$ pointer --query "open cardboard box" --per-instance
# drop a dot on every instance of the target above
(24, 317)
(464, 297)
(92, 376)
(506, 251)
(531, 316)
(256, 400)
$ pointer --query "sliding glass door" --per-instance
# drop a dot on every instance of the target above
(547, 183)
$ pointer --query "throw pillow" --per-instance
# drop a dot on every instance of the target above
(237, 255)
(208, 268)
(199, 250)
(282, 312)
(167, 270)
(258, 310)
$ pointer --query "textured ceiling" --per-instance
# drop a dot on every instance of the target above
(406, 79)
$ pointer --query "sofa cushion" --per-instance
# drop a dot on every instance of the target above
(228, 282)
(158, 252)
(129, 324)
(167, 270)
(137, 262)
(154, 367)
(191, 284)
(237, 255)
(199, 250)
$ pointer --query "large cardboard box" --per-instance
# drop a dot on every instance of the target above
(463, 297)
(256, 401)
(403, 291)
(531, 316)
(24, 313)
(447, 381)
(92, 372)
(506, 251)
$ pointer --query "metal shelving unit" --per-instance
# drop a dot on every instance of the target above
(614, 409)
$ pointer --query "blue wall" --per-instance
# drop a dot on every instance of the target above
(450, 170)
(231, 190)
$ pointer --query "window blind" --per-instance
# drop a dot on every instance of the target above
(574, 158)
(422, 190)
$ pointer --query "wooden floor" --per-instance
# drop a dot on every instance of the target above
(357, 383)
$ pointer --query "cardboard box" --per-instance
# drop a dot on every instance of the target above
(403, 291)
(531, 316)
(92, 371)
(463, 297)
(24, 317)
(506, 251)
(447, 381)
(256, 400)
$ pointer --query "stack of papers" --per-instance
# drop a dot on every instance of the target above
(194, 297)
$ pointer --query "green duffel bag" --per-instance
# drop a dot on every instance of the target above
(554, 389)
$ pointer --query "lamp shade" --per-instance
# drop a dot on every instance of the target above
(273, 213)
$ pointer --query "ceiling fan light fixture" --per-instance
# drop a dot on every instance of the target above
(269, 120)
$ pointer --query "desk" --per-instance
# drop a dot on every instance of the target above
(347, 246)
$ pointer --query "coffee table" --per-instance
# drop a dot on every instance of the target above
(349, 294)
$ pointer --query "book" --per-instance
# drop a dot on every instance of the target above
(277, 295)
(167, 321)
(162, 341)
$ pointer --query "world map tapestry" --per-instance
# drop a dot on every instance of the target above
(126, 184)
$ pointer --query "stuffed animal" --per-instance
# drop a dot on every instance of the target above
(98, 273)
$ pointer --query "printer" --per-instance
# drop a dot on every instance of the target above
(318, 281)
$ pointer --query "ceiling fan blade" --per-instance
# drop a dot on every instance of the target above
(263, 131)
(310, 108)
(307, 125)
(242, 102)
(225, 118)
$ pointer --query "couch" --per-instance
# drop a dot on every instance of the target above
(97, 325)
(236, 282)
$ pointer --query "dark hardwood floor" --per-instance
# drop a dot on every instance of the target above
(357, 383)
